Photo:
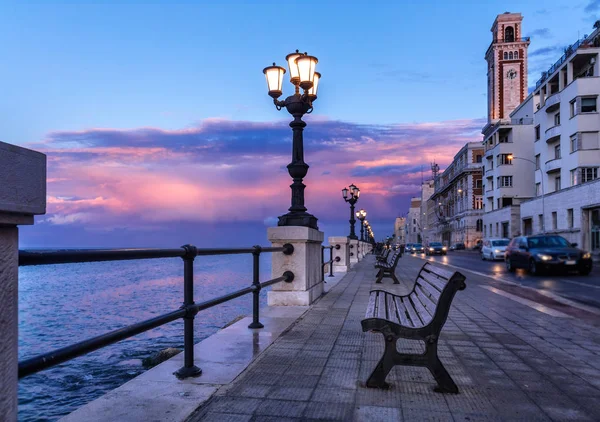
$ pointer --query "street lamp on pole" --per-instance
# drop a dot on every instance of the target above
(351, 194)
(302, 75)
(512, 157)
(361, 215)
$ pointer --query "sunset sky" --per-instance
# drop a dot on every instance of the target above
(158, 128)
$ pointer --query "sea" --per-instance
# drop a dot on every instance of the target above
(63, 304)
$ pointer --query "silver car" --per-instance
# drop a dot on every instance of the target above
(494, 249)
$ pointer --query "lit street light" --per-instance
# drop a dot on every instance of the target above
(302, 75)
(361, 215)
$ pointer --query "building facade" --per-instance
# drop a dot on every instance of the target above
(400, 230)
(567, 148)
(413, 221)
(457, 198)
(427, 189)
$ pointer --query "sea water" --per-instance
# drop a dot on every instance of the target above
(67, 303)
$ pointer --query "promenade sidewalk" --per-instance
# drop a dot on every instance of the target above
(511, 362)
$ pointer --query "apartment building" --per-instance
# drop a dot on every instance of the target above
(457, 198)
(400, 230)
(427, 189)
(567, 148)
(413, 221)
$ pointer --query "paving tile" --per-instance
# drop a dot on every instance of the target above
(225, 417)
(333, 395)
(234, 405)
(421, 415)
(377, 414)
(329, 411)
(290, 393)
(281, 408)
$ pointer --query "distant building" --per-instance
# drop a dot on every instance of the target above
(413, 221)
(457, 198)
(399, 230)
(427, 189)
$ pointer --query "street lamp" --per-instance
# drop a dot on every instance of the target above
(302, 75)
(512, 157)
(361, 215)
(351, 194)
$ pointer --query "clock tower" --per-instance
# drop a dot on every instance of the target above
(507, 66)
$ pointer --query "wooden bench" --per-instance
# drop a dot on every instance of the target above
(419, 315)
(388, 268)
(384, 255)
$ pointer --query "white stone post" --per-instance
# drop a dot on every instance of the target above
(343, 253)
(305, 263)
(22, 195)
(353, 251)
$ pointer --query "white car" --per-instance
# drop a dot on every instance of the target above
(494, 248)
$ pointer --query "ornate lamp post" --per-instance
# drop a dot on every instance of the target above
(361, 215)
(302, 75)
(351, 194)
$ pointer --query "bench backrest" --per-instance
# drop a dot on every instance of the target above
(394, 260)
(386, 253)
(433, 292)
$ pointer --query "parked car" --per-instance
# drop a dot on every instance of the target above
(478, 245)
(546, 252)
(436, 248)
(457, 247)
(417, 248)
(494, 248)
(408, 248)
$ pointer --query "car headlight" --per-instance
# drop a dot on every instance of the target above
(444, 248)
(587, 255)
(544, 257)
(497, 250)
(431, 249)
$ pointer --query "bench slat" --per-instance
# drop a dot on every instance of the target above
(371, 306)
(381, 308)
(421, 311)
(431, 292)
(411, 312)
(433, 280)
(392, 312)
(402, 313)
(447, 274)
(423, 296)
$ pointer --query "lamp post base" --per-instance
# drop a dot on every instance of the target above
(302, 219)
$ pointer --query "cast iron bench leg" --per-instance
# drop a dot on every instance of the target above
(393, 274)
(434, 364)
(385, 365)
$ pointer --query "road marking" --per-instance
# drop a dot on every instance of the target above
(579, 283)
(527, 302)
(546, 293)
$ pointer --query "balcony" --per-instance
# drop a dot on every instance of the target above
(552, 165)
(553, 102)
(553, 133)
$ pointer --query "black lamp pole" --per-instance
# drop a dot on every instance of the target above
(302, 75)
(361, 215)
(351, 194)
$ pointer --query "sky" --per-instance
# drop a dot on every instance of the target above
(157, 125)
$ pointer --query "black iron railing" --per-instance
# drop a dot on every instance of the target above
(188, 310)
(331, 260)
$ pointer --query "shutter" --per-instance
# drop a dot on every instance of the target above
(578, 105)
(579, 140)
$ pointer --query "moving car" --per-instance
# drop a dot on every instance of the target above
(417, 248)
(546, 252)
(494, 248)
(436, 248)
(478, 245)
(458, 247)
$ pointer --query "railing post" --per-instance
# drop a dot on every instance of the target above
(22, 195)
(256, 282)
(188, 369)
(331, 263)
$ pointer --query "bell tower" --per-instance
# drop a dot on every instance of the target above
(507, 66)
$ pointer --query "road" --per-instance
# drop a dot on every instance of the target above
(582, 289)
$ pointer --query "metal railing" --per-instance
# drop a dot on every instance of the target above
(331, 260)
(187, 311)
(568, 52)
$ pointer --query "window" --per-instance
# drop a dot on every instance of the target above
(588, 105)
(478, 158)
(570, 218)
(554, 220)
(541, 222)
(557, 183)
(574, 144)
(478, 183)
(537, 133)
(509, 34)
(538, 189)
(505, 181)
(505, 55)
(478, 203)
(573, 108)
(557, 119)
(479, 225)
(510, 55)
(537, 162)
(557, 152)
(504, 159)
(574, 177)
(587, 174)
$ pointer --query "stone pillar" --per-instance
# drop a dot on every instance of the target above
(343, 265)
(353, 251)
(22, 195)
(305, 263)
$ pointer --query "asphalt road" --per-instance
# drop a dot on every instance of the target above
(583, 289)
